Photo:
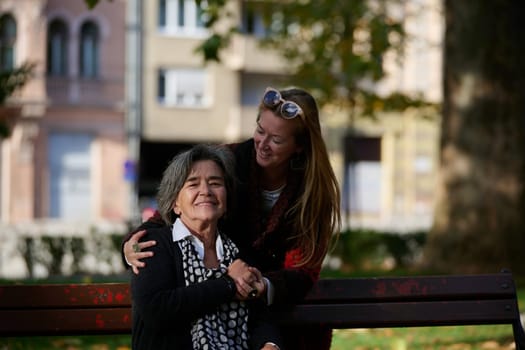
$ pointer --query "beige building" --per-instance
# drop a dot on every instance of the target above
(387, 184)
(183, 100)
(65, 157)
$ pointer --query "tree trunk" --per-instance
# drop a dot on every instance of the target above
(479, 222)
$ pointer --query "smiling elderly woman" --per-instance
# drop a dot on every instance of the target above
(187, 297)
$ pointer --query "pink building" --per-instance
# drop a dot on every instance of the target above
(65, 157)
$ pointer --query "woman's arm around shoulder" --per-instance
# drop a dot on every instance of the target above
(132, 254)
(159, 291)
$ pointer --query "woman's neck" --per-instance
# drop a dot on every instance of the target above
(273, 180)
(204, 232)
(207, 234)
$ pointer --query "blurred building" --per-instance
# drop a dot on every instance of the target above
(184, 101)
(119, 90)
(387, 168)
(65, 157)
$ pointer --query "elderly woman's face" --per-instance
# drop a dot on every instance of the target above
(202, 199)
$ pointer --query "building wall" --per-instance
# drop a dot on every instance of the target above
(406, 172)
(17, 185)
(224, 117)
(67, 105)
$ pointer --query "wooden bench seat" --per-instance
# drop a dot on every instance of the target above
(337, 303)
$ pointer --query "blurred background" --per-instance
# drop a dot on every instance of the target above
(422, 115)
(422, 109)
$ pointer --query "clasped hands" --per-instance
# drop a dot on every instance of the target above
(248, 280)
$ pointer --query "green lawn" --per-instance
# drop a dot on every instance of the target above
(109, 342)
(425, 338)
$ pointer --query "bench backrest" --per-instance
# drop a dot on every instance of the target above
(337, 303)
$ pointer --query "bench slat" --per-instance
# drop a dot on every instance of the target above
(412, 288)
(368, 315)
(64, 295)
(379, 315)
(325, 291)
(65, 322)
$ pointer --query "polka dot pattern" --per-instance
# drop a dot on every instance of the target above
(227, 326)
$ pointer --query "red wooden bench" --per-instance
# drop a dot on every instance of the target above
(414, 301)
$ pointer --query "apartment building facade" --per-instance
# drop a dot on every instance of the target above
(387, 183)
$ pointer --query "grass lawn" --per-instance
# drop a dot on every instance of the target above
(425, 338)
(107, 342)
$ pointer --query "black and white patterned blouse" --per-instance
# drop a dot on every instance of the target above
(227, 326)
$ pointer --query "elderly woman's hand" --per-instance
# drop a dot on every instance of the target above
(258, 285)
(132, 251)
(248, 280)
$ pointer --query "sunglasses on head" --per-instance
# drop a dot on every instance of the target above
(288, 110)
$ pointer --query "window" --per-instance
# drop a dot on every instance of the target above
(182, 17)
(253, 21)
(89, 50)
(69, 162)
(7, 42)
(182, 87)
(362, 181)
(57, 43)
(423, 164)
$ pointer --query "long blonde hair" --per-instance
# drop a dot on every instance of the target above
(317, 210)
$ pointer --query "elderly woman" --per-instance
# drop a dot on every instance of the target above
(187, 297)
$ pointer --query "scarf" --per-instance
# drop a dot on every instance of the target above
(227, 326)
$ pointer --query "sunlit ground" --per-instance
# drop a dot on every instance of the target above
(421, 338)
(490, 337)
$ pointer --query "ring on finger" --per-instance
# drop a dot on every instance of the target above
(136, 247)
(253, 293)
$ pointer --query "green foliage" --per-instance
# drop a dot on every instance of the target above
(334, 48)
(12, 80)
(367, 249)
(78, 250)
(56, 247)
(211, 46)
(333, 45)
(91, 3)
(50, 252)
(106, 342)
(213, 12)
(25, 246)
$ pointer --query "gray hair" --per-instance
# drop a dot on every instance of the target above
(179, 169)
